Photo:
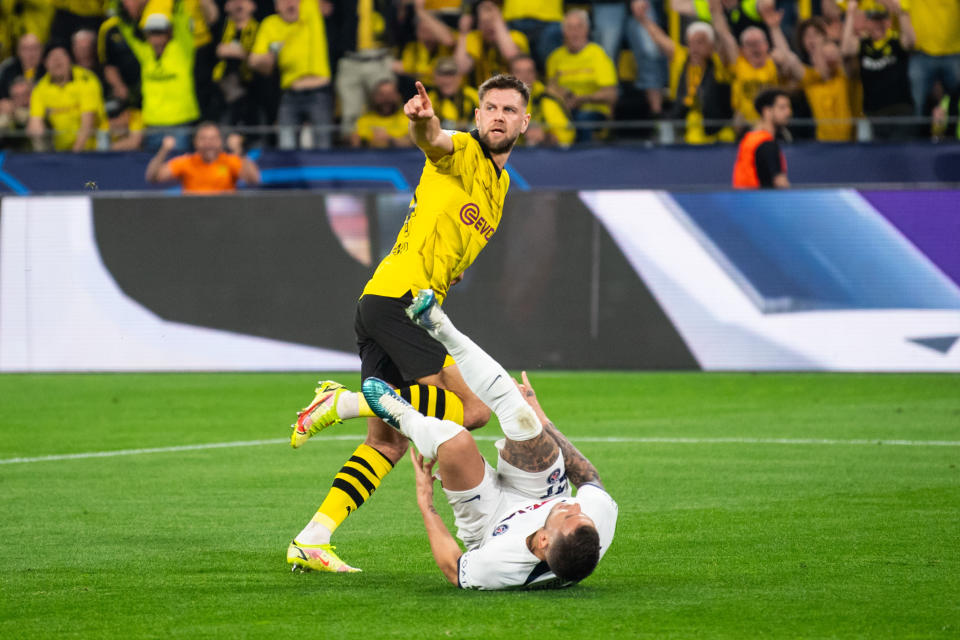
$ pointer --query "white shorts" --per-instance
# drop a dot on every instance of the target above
(475, 510)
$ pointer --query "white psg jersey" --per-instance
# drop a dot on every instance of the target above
(502, 559)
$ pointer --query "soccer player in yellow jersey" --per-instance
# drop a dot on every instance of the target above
(456, 208)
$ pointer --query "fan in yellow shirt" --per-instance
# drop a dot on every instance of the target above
(582, 74)
(456, 209)
(69, 101)
(294, 41)
(384, 125)
(937, 52)
(752, 66)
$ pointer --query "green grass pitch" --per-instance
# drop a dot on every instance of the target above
(751, 505)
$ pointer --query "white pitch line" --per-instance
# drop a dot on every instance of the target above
(354, 437)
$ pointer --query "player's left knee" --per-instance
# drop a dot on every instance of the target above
(475, 415)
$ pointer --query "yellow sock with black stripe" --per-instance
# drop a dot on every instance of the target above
(434, 402)
(353, 485)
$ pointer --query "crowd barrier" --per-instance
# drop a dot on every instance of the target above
(835, 279)
(633, 167)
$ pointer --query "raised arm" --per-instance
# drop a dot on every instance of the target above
(446, 551)
(580, 471)
(849, 43)
(249, 172)
(664, 42)
(782, 54)
(508, 48)
(425, 126)
(210, 10)
(465, 62)
(908, 38)
(436, 27)
(157, 169)
(727, 44)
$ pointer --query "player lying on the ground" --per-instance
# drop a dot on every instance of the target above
(519, 523)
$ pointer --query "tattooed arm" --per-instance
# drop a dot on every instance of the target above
(579, 470)
(446, 551)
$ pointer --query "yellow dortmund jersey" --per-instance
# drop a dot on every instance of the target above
(454, 212)
(166, 82)
(937, 25)
(830, 103)
(397, 126)
(546, 10)
(583, 73)
(303, 44)
(63, 106)
(747, 83)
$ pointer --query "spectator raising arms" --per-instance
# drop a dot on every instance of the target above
(209, 169)
(884, 58)
(699, 80)
(824, 81)
(166, 73)
(752, 66)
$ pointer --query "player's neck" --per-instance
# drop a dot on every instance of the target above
(500, 159)
(769, 127)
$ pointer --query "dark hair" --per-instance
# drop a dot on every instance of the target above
(58, 44)
(574, 556)
(503, 81)
(817, 24)
(766, 99)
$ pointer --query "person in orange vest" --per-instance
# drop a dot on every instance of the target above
(760, 163)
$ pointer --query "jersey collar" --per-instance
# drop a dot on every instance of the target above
(486, 151)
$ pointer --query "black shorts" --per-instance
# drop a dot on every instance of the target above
(391, 346)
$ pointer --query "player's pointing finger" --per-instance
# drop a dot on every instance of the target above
(422, 92)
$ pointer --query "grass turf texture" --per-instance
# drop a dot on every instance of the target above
(733, 540)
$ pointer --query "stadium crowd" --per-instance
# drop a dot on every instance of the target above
(126, 74)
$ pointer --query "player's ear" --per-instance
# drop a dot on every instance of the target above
(526, 123)
(542, 541)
